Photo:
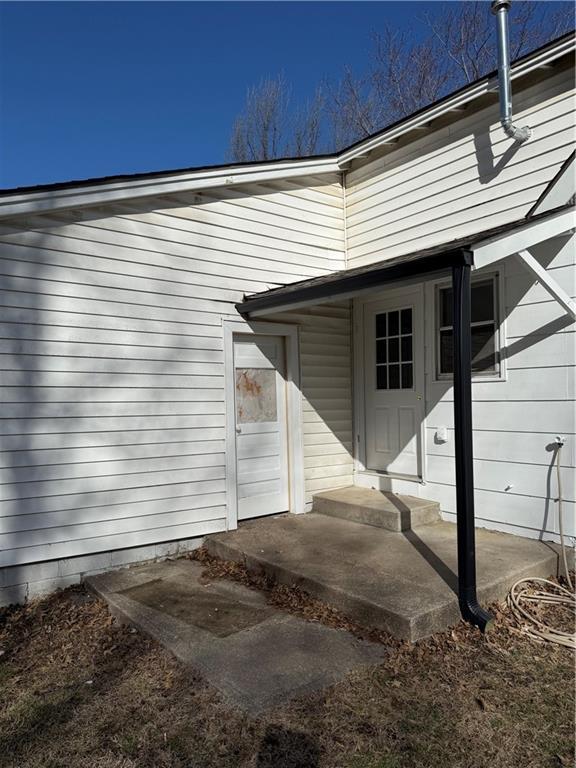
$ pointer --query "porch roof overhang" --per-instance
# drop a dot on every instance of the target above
(476, 250)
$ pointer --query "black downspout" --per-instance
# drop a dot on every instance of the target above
(469, 607)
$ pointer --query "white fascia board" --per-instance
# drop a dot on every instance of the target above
(128, 189)
(496, 248)
(457, 101)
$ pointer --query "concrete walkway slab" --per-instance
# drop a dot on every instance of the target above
(402, 582)
(255, 655)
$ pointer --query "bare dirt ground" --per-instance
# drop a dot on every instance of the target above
(77, 690)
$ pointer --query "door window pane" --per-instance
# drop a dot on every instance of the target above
(407, 376)
(393, 350)
(255, 395)
(381, 377)
(406, 343)
(406, 321)
(394, 344)
(381, 351)
(381, 325)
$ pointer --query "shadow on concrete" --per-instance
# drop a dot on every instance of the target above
(445, 573)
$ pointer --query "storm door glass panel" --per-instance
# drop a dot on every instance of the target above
(394, 349)
(255, 395)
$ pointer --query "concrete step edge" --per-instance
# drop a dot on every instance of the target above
(432, 507)
(393, 520)
(325, 498)
(353, 606)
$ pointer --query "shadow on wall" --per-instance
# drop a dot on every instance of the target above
(536, 334)
(98, 402)
(488, 167)
(326, 386)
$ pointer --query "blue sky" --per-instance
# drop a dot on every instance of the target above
(98, 88)
(91, 89)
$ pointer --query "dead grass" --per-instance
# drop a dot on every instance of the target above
(79, 691)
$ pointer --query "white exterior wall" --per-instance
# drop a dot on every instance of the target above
(326, 384)
(451, 183)
(112, 413)
(517, 418)
(461, 179)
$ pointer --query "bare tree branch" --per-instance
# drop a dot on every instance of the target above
(406, 72)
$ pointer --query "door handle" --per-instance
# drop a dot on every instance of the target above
(238, 430)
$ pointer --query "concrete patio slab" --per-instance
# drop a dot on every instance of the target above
(404, 583)
(255, 655)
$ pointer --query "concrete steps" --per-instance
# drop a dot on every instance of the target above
(379, 509)
(404, 583)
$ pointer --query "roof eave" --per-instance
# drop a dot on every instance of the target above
(100, 191)
(455, 101)
(89, 194)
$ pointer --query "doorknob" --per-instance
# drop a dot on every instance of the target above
(238, 430)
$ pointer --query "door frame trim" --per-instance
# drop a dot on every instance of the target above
(295, 467)
(359, 372)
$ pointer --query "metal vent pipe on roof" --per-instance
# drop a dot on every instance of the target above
(500, 9)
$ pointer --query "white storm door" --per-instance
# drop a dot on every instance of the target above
(261, 434)
(394, 383)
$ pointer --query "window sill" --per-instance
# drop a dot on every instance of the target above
(475, 380)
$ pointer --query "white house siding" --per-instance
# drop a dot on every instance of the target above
(461, 179)
(326, 384)
(112, 413)
(516, 420)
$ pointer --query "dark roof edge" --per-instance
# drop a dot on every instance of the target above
(550, 186)
(98, 180)
(95, 181)
(358, 281)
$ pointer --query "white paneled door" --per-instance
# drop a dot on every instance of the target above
(394, 383)
(261, 433)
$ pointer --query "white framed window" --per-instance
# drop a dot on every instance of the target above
(485, 326)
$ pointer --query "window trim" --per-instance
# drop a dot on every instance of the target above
(499, 374)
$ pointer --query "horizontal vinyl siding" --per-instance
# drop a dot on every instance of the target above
(515, 421)
(112, 420)
(326, 383)
(461, 179)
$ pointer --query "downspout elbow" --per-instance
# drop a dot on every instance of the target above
(515, 132)
(472, 611)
